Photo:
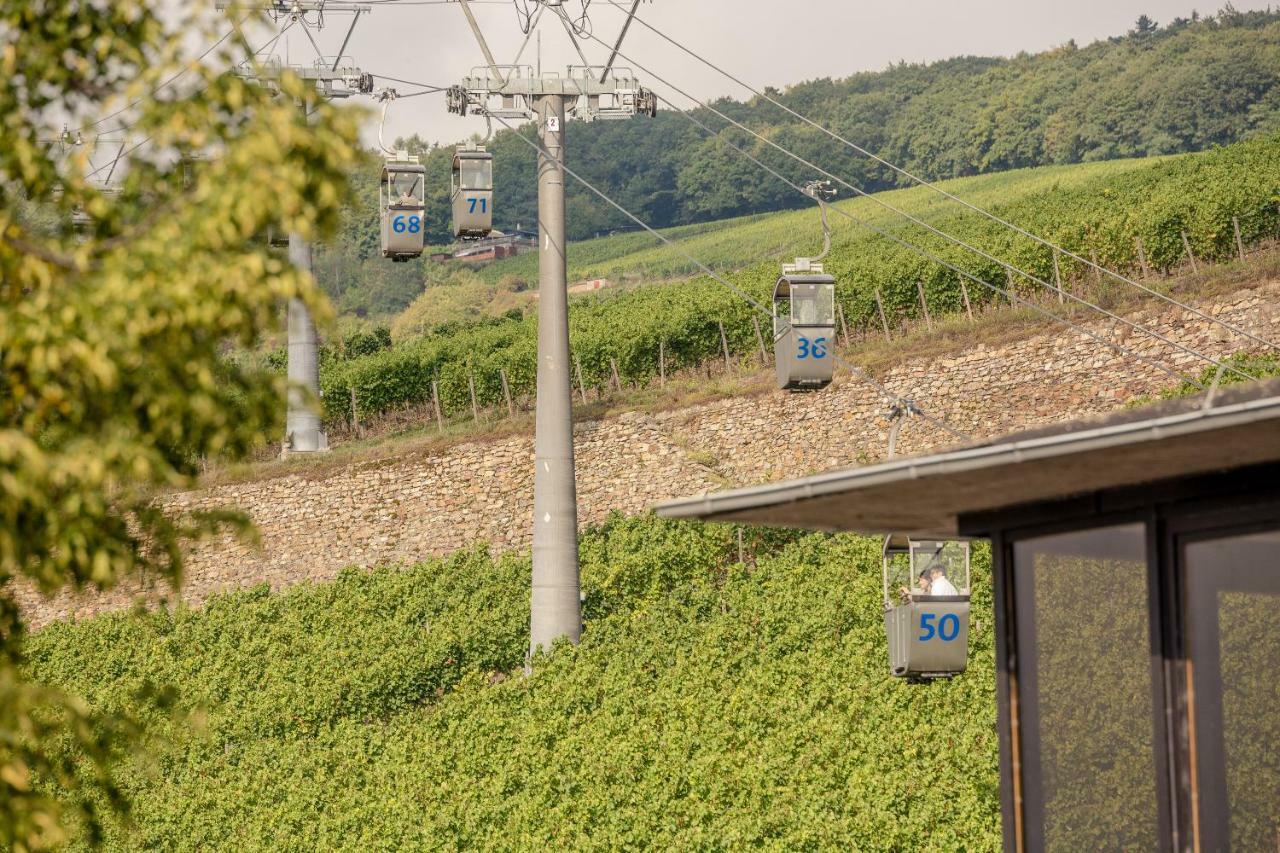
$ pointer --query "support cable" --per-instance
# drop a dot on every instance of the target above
(170, 81)
(853, 368)
(939, 190)
(932, 229)
(925, 253)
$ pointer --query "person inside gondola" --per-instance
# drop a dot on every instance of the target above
(923, 582)
(938, 583)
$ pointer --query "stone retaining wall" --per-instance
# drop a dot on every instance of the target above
(401, 511)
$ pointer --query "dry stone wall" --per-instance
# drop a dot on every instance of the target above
(404, 510)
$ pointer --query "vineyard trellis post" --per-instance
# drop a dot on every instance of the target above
(662, 363)
(764, 356)
(884, 321)
(1191, 256)
(968, 306)
(844, 327)
(613, 368)
(506, 392)
(435, 400)
(724, 344)
(1142, 258)
(355, 413)
(582, 386)
(924, 306)
(475, 408)
(1235, 224)
(1057, 276)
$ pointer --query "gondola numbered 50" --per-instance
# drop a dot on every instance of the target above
(402, 198)
(804, 326)
(926, 607)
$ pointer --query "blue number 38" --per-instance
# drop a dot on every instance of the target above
(817, 348)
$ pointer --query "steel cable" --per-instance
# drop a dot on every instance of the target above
(939, 190)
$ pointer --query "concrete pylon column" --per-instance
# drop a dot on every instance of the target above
(556, 604)
(304, 432)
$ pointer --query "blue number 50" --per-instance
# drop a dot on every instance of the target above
(946, 629)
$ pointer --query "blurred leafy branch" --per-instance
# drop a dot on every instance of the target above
(111, 384)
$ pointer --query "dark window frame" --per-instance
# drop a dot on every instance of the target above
(1251, 513)
(1023, 825)
(1215, 505)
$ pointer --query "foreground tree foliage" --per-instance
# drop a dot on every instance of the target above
(110, 381)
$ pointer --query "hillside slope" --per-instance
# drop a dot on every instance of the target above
(711, 705)
(1184, 86)
(1095, 210)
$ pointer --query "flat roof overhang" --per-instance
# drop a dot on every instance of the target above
(926, 496)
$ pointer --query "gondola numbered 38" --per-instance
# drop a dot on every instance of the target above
(402, 198)
(472, 193)
(804, 326)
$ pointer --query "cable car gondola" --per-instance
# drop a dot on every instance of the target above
(804, 326)
(926, 606)
(472, 193)
(926, 594)
(402, 197)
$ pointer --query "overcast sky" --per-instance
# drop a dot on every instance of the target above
(765, 42)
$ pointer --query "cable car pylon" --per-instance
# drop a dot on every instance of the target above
(333, 77)
(518, 92)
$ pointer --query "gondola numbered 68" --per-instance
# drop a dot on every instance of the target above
(402, 197)
(804, 326)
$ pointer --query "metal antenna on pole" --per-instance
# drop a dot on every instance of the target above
(587, 93)
(304, 429)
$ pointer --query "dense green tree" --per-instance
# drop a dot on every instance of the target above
(111, 385)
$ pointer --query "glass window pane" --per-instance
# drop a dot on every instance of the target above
(1085, 683)
(1233, 599)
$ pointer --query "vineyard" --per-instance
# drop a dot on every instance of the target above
(1130, 215)
(712, 703)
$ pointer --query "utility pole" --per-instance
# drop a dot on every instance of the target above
(588, 93)
(334, 77)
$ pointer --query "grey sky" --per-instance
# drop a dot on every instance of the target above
(766, 42)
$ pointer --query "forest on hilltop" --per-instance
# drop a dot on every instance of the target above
(1186, 85)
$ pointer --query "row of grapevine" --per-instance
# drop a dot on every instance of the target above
(712, 704)
(1200, 196)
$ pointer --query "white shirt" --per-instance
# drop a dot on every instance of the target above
(942, 586)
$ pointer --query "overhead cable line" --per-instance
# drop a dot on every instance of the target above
(939, 190)
(925, 253)
(853, 368)
(169, 82)
(125, 152)
(427, 86)
(1012, 269)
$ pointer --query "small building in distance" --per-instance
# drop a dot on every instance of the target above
(1136, 571)
(495, 247)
